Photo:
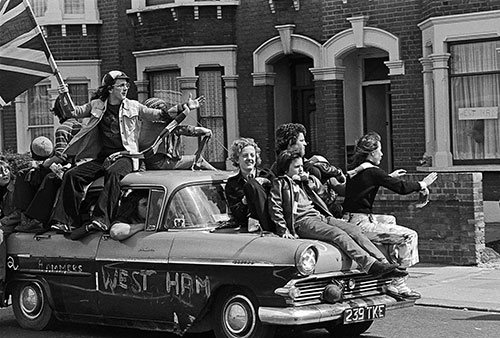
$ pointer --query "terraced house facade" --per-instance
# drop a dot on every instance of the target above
(425, 74)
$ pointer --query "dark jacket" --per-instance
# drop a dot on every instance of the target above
(282, 199)
(234, 194)
(362, 189)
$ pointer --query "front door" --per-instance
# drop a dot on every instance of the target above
(377, 117)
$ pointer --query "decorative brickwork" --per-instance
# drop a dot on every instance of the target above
(451, 226)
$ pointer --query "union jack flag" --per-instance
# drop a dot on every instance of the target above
(24, 54)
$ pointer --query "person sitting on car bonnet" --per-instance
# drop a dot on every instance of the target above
(362, 187)
(247, 192)
(298, 211)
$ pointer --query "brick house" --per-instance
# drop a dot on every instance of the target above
(425, 74)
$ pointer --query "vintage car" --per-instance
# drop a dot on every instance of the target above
(188, 272)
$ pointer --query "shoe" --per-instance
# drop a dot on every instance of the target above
(411, 294)
(29, 225)
(99, 225)
(379, 269)
(61, 227)
(81, 232)
(401, 291)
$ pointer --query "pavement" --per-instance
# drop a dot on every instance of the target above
(457, 287)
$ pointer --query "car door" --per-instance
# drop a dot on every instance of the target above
(131, 273)
(68, 267)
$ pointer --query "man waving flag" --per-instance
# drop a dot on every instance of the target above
(25, 58)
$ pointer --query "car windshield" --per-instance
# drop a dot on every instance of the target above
(197, 207)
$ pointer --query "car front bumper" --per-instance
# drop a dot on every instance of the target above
(319, 313)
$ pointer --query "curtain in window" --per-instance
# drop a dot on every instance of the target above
(39, 7)
(40, 118)
(79, 93)
(211, 114)
(165, 85)
(475, 83)
(74, 7)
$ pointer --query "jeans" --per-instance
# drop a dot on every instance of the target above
(330, 230)
(74, 185)
(43, 201)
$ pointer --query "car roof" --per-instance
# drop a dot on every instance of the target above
(169, 179)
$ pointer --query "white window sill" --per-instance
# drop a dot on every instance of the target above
(184, 4)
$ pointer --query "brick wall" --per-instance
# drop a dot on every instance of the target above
(330, 114)
(451, 226)
(8, 125)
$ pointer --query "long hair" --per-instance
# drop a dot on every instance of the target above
(284, 160)
(102, 92)
(237, 147)
(364, 146)
(287, 134)
(3, 189)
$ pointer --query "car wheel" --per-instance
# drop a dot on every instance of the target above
(236, 316)
(31, 309)
(348, 330)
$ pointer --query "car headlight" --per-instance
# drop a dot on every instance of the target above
(306, 261)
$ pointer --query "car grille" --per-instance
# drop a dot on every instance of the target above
(311, 290)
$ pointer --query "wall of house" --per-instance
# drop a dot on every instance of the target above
(451, 226)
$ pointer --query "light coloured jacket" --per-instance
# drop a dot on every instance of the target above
(87, 143)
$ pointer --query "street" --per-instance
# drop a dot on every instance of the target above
(416, 322)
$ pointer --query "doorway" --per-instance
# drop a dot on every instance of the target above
(377, 117)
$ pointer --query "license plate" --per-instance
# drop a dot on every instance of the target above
(364, 313)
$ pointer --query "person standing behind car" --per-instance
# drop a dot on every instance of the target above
(247, 192)
(362, 187)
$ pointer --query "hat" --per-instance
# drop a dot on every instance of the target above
(41, 148)
(110, 78)
(155, 102)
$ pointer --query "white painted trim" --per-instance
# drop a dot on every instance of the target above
(187, 59)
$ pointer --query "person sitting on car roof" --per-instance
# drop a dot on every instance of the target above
(166, 154)
(113, 129)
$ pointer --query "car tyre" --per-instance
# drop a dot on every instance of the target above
(31, 307)
(235, 315)
(348, 330)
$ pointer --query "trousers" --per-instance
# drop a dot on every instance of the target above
(404, 253)
(350, 240)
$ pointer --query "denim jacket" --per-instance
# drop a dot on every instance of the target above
(87, 143)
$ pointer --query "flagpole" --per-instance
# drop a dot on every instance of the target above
(66, 97)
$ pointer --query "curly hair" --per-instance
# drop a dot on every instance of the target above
(287, 134)
(284, 160)
(365, 145)
(237, 147)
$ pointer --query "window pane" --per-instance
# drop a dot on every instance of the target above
(475, 57)
(74, 7)
(197, 207)
(40, 118)
(79, 93)
(165, 85)
(475, 138)
(212, 114)
(39, 7)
